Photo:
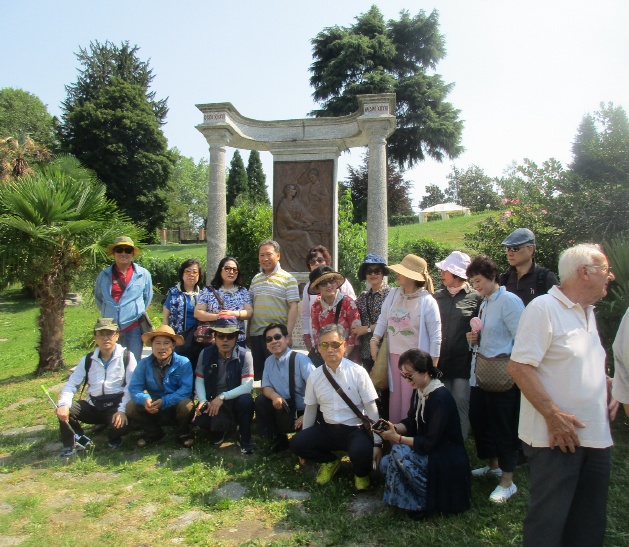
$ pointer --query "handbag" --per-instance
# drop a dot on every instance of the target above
(380, 371)
(285, 418)
(313, 353)
(106, 402)
(491, 373)
(204, 333)
(145, 323)
(367, 422)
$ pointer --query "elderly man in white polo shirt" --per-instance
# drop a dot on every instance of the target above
(559, 365)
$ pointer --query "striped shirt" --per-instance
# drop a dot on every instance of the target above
(271, 295)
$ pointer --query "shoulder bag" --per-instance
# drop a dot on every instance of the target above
(204, 333)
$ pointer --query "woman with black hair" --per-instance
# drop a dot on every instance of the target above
(428, 470)
(179, 307)
(225, 296)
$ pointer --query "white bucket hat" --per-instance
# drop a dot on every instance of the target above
(456, 263)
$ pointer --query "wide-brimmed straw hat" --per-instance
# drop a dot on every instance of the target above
(226, 324)
(414, 267)
(164, 330)
(123, 241)
(456, 263)
(372, 259)
(321, 274)
(106, 323)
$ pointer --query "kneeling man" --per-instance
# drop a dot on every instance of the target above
(107, 372)
(280, 406)
(341, 428)
(167, 379)
(223, 382)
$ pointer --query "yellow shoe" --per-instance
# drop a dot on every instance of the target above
(327, 471)
(361, 483)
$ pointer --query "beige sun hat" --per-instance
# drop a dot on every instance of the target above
(164, 330)
(414, 267)
(123, 241)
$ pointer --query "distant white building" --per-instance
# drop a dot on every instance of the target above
(445, 209)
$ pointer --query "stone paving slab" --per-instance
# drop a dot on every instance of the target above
(231, 490)
(27, 401)
(286, 493)
(22, 430)
(189, 517)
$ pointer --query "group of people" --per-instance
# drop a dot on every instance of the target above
(514, 356)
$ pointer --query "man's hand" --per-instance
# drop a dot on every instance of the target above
(152, 407)
(277, 403)
(63, 413)
(214, 406)
(561, 430)
(613, 407)
(120, 420)
(299, 422)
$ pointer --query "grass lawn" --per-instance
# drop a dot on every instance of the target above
(166, 495)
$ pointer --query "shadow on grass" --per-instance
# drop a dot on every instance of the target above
(18, 379)
(16, 301)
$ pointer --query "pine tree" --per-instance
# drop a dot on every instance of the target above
(257, 179)
(237, 183)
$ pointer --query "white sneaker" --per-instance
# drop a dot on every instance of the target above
(502, 494)
(484, 471)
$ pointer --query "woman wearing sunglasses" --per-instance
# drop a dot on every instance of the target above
(428, 470)
(317, 256)
(225, 296)
(123, 291)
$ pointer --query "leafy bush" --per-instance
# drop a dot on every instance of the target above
(247, 226)
(427, 248)
(352, 240)
(163, 271)
(401, 220)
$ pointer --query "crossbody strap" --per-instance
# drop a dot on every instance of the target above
(217, 296)
(291, 382)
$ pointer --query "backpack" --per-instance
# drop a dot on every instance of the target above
(88, 364)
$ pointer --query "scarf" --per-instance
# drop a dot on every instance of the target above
(422, 396)
(455, 290)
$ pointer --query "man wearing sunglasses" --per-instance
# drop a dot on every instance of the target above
(124, 291)
(275, 401)
(223, 384)
(525, 277)
(341, 429)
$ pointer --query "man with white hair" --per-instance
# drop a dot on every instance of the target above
(558, 363)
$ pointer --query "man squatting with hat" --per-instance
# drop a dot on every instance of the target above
(107, 378)
(525, 278)
(167, 378)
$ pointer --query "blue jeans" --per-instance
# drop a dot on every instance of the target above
(132, 340)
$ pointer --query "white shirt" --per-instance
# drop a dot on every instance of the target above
(555, 338)
(355, 382)
(620, 391)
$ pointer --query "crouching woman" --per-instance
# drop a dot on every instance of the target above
(428, 470)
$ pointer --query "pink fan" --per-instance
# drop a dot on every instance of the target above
(476, 324)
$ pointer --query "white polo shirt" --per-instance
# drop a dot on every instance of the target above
(620, 390)
(355, 382)
(555, 337)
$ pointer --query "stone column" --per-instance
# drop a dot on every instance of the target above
(216, 227)
(377, 221)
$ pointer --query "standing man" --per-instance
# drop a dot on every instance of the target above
(275, 401)
(558, 363)
(524, 277)
(341, 428)
(124, 291)
(275, 297)
(107, 372)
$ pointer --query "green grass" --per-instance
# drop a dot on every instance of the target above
(182, 252)
(166, 495)
(448, 232)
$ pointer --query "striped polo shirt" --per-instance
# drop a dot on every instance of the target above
(271, 295)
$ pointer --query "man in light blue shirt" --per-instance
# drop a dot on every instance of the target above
(278, 412)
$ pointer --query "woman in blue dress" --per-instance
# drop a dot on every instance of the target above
(427, 470)
(226, 296)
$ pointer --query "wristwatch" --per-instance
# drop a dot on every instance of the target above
(369, 329)
(222, 396)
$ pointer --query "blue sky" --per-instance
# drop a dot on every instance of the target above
(525, 73)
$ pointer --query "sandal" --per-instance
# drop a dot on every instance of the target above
(150, 439)
(187, 441)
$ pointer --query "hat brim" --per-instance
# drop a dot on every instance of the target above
(227, 330)
(454, 270)
(411, 274)
(147, 337)
(313, 288)
(110, 249)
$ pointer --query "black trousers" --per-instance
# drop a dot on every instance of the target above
(259, 353)
(494, 418)
(268, 417)
(241, 408)
(318, 443)
(178, 416)
(87, 413)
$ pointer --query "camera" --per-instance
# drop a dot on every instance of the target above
(380, 425)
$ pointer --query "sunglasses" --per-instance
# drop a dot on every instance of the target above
(373, 271)
(319, 260)
(515, 248)
(333, 345)
(276, 336)
(229, 269)
(327, 282)
(123, 250)
(225, 335)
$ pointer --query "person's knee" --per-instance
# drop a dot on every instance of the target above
(244, 402)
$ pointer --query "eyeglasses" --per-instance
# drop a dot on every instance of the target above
(327, 282)
(191, 272)
(276, 336)
(333, 345)
(225, 335)
(605, 269)
(408, 376)
(230, 269)
(373, 271)
(123, 250)
(319, 260)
